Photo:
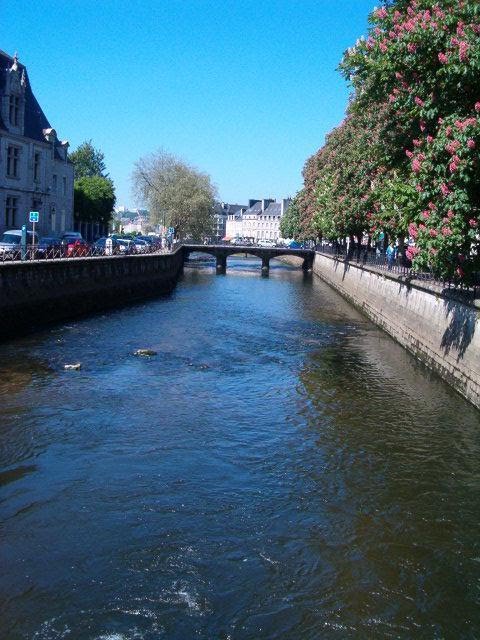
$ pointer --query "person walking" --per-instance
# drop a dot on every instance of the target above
(391, 254)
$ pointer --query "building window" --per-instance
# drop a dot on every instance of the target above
(11, 210)
(14, 110)
(36, 167)
(13, 157)
(54, 183)
(64, 186)
(53, 216)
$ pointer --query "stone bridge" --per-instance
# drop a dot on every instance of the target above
(222, 251)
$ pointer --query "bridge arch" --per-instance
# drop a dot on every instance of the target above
(222, 252)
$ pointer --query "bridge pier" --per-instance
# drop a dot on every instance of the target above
(265, 265)
(221, 264)
(307, 264)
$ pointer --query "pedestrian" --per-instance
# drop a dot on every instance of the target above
(391, 253)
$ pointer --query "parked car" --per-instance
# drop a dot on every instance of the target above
(99, 248)
(49, 247)
(266, 243)
(76, 247)
(126, 246)
(141, 246)
(10, 244)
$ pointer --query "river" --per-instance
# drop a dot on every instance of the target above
(281, 469)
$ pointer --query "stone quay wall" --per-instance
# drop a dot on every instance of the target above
(439, 328)
(33, 294)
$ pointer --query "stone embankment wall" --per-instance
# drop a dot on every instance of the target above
(441, 331)
(33, 294)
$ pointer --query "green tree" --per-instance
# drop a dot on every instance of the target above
(177, 194)
(290, 221)
(88, 161)
(94, 199)
(94, 192)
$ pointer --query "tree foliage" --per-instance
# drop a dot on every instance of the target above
(88, 161)
(290, 221)
(405, 160)
(94, 192)
(94, 199)
(177, 194)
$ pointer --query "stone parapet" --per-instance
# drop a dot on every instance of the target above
(440, 329)
(33, 294)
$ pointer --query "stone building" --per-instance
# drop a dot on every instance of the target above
(224, 211)
(35, 173)
(260, 221)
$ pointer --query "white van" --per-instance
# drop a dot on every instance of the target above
(10, 244)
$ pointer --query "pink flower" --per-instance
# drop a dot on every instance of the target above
(477, 106)
(381, 13)
(453, 167)
(463, 51)
(412, 252)
(450, 214)
(473, 223)
(444, 189)
(429, 139)
(448, 131)
(416, 166)
(443, 58)
(412, 230)
(422, 227)
(419, 101)
(419, 188)
(408, 153)
(417, 143)
(426, 214)
(471, 143)
(433, 233)
(411, 47)
(383, 47)
(423, 126)
(446, 231)
(433, 251)
(432, 206)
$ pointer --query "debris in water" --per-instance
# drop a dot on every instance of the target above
(73, 367)
(144, 352)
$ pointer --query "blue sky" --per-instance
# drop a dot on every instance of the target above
(244, 90)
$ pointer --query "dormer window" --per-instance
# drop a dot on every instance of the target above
(14, 111)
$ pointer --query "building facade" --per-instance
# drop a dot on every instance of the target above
(35, 173)
(259, 221)
(223, 211)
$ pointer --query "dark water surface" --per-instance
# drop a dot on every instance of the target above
(281, 469)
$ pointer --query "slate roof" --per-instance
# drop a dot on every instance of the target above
(274, 209)
(35, 119)
(256, 209)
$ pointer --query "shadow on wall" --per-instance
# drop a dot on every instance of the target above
(461, 329)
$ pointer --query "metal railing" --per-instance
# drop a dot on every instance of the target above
(74, 251)
(399, 266)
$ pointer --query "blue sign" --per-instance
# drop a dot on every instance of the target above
(33, 216)
(171, 231)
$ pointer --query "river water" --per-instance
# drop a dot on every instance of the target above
(281, 469)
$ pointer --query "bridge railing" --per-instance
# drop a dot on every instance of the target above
(401, 266)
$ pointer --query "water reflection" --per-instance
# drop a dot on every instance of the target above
(281, 469)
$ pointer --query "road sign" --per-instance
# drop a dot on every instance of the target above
(171, 231)
(33, 216)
